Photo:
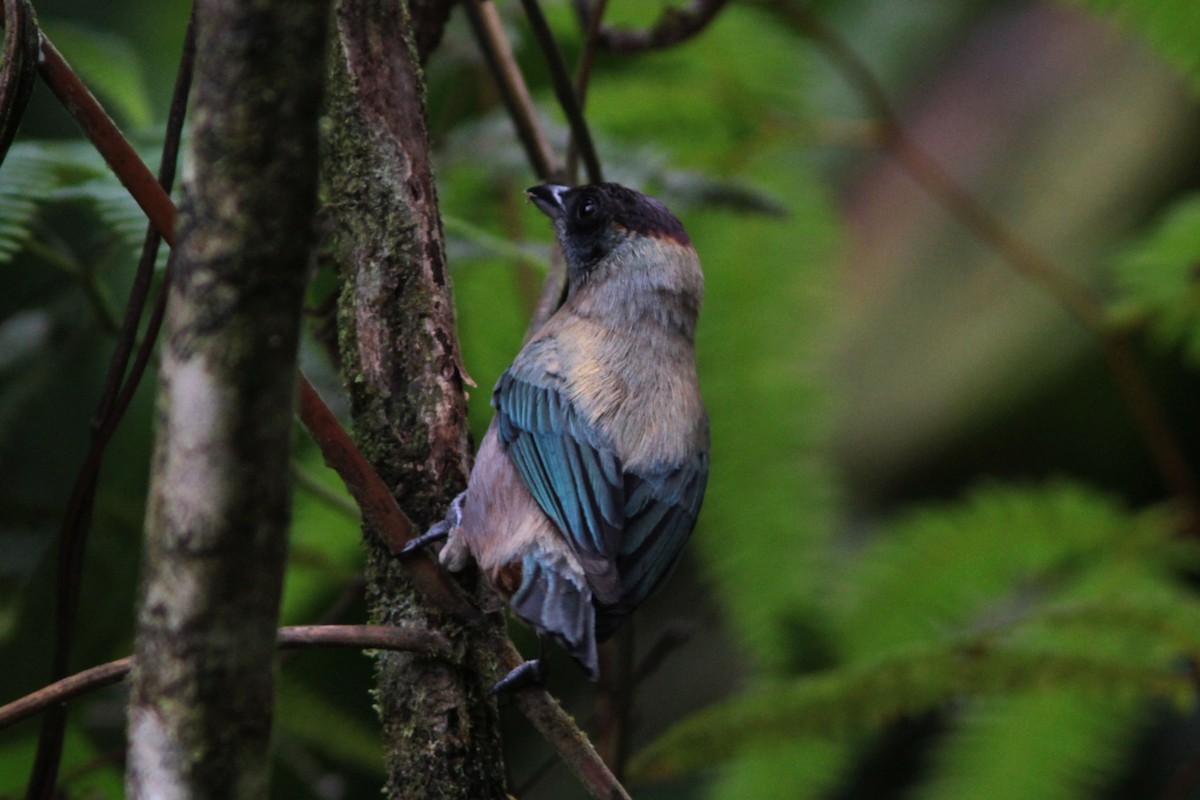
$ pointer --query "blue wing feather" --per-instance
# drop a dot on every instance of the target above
(637, 521)
(571, 473)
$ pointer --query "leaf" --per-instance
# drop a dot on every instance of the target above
(1067, 746)
(1159, 279)
(863, 698)
(109, 65)
(26, 177)
(795, 770)
(985, 560)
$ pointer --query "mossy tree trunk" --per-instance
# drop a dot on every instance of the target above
(216, 526)
(401, 365)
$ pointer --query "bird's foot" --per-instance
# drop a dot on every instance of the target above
(440, 530)
(530, 673)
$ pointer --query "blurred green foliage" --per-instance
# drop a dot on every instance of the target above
(964, 616)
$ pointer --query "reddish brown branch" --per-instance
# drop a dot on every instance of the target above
(102, 132)
(379, 508)
(556, 727)
(1071, 295)
(300, 637)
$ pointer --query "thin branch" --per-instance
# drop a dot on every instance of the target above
(1071, 295)
(489, 32)
(368, 637)
(563, 90)
(299, 637)
(104, 134)
(557, 728)
(59, 692)
(378, 506)
(674, 26)
(591, 21)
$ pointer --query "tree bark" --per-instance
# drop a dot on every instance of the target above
(401, 363)
(216, 525)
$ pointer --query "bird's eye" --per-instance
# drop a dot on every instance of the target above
(586, 210)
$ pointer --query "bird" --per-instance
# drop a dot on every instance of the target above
(590, 477)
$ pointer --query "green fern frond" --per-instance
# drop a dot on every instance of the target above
(789, 769)
(26, 177)
(35, 173)
(1048, 745)
(115, 207)
(863, 698)
(985, 560)
(1159, 278)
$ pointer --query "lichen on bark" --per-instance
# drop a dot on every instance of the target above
(402, 369)
(216, 525)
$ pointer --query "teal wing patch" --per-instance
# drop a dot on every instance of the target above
(636, 520)
(574, 476)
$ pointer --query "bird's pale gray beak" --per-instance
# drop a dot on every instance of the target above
(549, 198)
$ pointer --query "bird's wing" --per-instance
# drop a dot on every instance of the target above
(660, 512)
(574, 475)
(635, 521)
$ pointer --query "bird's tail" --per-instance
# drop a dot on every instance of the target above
(558, 603)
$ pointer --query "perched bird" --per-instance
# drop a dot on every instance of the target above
(590, 477)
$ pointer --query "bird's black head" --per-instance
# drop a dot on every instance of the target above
(593, 220)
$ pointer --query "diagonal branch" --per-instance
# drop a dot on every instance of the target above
(591, 20)
(104, 134)
(489, 32)
(581, 137)
(378, 507)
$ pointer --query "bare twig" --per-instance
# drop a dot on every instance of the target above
(300, 637)
(581, 137)
(489, 32)
(676, 25)
(1074, 297)
(104, 134)
(591, 20)
(379, 508)
(557, 728)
